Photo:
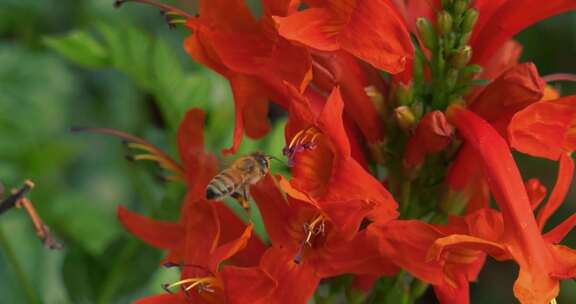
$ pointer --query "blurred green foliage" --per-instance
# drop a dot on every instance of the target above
(81, 63)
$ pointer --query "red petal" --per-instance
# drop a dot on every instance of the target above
(536, 192)
(459, 294)
(249, 256)
(513, 16)
(275, 210)
(280, 7)
(566, 265)
(351, 182)
(502, 175)
(164, 235)
(202, 232)
(406, 243)
(558, 233)
(200, 167)
(352, 78)
(165, 298)
(247, 93)
(229, 14)
(246, 285)
(467, 182)
(432, 135)
(561, 188)
(225, 251)
(370, 30)
(357, 256)
(296, 282)
(331, 123)
(190, 135)
(445, 245)
(505, 58)
(510, 92)
(545, 129)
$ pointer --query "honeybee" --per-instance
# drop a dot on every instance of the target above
(235, 180)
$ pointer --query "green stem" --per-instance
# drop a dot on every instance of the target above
(18, 271)
(405, 193)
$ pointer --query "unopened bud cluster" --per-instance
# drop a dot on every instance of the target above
(450, 52)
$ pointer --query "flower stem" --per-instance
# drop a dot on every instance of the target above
(18, 271)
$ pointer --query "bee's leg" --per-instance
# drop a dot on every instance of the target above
(241, 195)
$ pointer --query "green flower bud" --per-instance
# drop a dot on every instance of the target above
(404, 94)
(469, 20)
(446, 3)
(427, 33)
(464, 39)
(444, 21)
(404, 117)
(459, 7)
(461, 57)
(451, 78)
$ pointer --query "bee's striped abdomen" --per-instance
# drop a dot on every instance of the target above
(221, 185)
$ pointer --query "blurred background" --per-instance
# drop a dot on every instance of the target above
(67, 63)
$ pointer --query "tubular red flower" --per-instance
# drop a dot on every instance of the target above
(432, 135)
(541, 264)
(308, 245)
(251, 55)
(327, 171)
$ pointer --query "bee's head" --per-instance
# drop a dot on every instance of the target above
(263, 160)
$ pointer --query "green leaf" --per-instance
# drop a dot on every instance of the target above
(80, 48)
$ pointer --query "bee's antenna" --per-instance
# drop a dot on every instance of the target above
(276, 159)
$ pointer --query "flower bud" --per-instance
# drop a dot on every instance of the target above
(470, 72)
(377, 99)
(451, 78)
(464, 39)
(459, 7)
(469, 20)
(426, 32)
(461, 57)
(404, 94)
(444, 22)
(404, 117)
(446, 3)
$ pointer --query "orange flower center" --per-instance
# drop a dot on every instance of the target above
(311, 157)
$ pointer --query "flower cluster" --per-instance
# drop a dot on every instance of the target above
(402, 119)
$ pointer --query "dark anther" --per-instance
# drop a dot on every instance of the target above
(11, 200)
(118, 3)
(165, 287)
(170, 265)
(49, 241)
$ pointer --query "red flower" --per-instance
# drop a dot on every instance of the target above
(308, 244)
(204, 247)
(251, 55)
(542, 264)
(548, 129)
(370, 30)
(206, 235)
(512, 91)
(513, 16)
(323, 164)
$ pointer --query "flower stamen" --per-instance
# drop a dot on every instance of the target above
(303, 140)
(315, 227)
(167, 9)
(136, 143)
(203, 284)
